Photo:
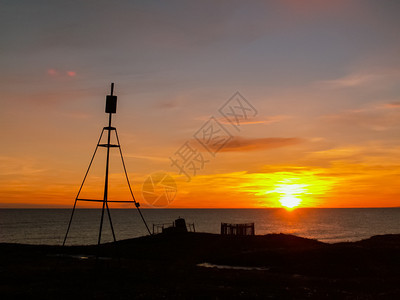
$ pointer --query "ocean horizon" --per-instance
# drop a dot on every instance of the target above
(331, 225)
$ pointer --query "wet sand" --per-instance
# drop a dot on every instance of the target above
(204, 266)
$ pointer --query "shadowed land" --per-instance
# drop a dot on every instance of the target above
(165, 266)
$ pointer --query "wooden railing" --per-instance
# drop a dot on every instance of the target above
(237, 229)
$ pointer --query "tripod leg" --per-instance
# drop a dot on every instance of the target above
(144, 221)
(101, 223)
(69, 224)
(129, 185)
(111, 224)
(80, 188)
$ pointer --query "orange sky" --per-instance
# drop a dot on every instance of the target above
(321, 78)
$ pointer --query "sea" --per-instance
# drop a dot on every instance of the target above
(330, 225)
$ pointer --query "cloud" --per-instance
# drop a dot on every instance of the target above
(373, 153)
(20, 166)
(364, 78)
(255, 144)
(395, 104)
(311, 8)
(169, 104)
(147, 157)
(257, 189)
(267, 120)
(340, 153)
(378, 118)
(351, 80)
(61, 73)
(52, 72)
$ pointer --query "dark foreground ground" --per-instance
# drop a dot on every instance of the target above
(165, 266)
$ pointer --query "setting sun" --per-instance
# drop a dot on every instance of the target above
(296, 189)
(289, 192)
(290, 201)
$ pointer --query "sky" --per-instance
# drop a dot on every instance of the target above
(319, 81)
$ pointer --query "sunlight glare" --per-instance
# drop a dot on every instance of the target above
(290, 192)
(291, 189)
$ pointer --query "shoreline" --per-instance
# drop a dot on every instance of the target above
(256, 236)
(167, 265)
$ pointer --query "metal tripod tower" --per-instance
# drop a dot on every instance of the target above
(111, 108)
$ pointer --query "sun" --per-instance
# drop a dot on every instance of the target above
(290, 193)
(290, 201)
(290, 190)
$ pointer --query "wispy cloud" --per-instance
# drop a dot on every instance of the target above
(257, 120)
(20, 166)
(169, 104)
(351, 80)
(147, 157)
(254, 144)
(377, 117)
(368, 153)
(363, 78)
(340, 153)
(395, 104)
(61, 73)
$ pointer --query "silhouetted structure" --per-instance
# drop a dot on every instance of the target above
(179, 225)
(111, 108)
(237, 229)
